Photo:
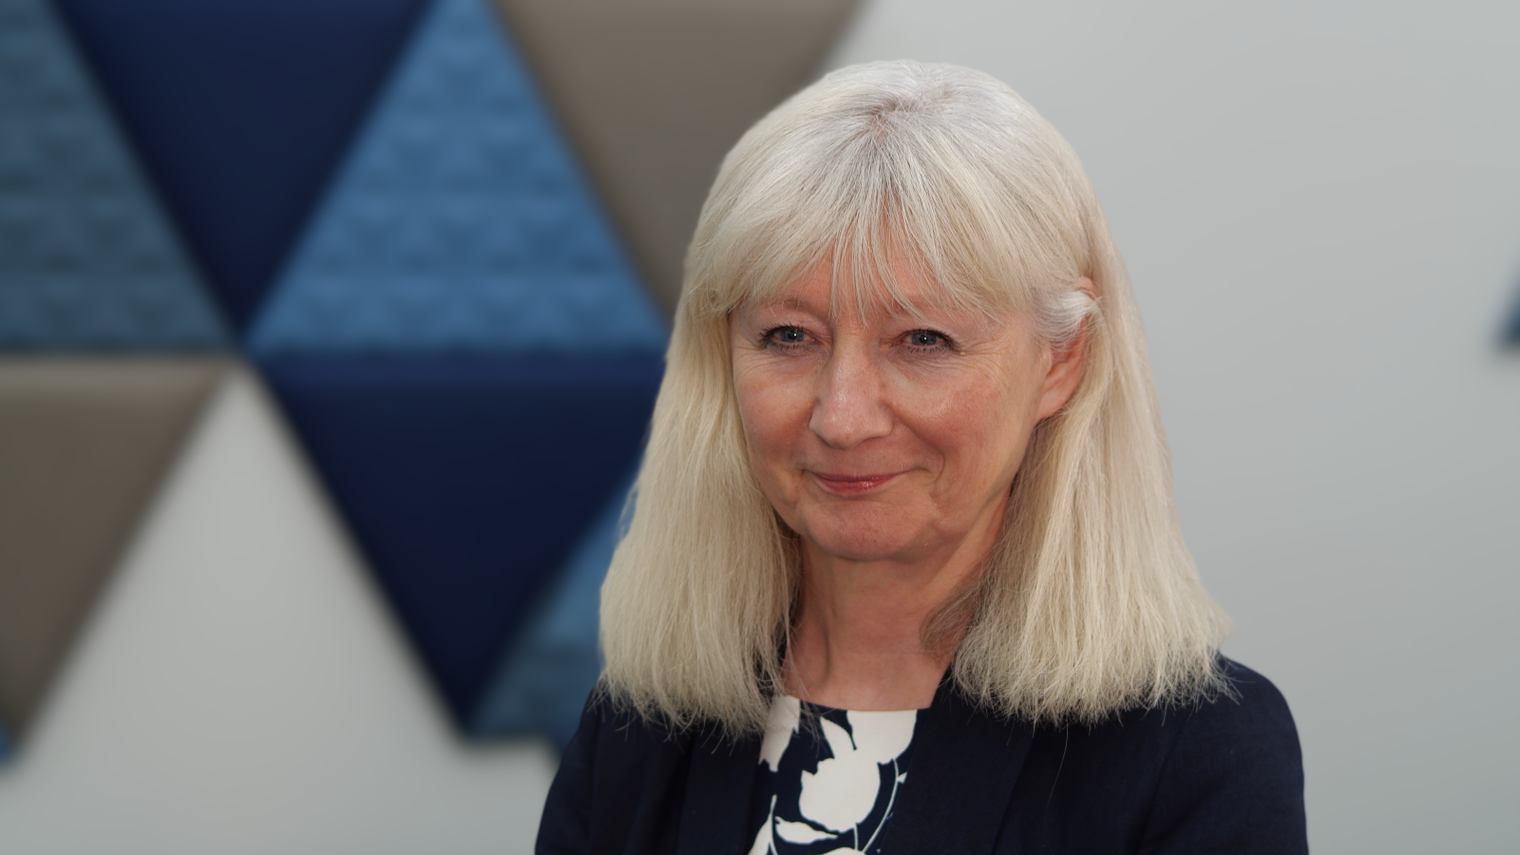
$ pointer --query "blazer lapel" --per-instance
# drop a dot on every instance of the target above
(718, 789)
(961, 778)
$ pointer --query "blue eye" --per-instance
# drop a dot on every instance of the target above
(927, 340)
(784, 337)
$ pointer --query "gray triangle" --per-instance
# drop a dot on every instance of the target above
(84, 444)
(654, 93)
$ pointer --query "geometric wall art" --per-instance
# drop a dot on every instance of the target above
(653, 93)
(88, 260)
(109, 350)
(238, 110)
(467, 482)
(463, 347)
(441, 232)
(556, 648)
(84, 444)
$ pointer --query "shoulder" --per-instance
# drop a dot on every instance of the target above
(617, 768)
(1248, 714)
(1231, 778)
(613, 738)
(1220, 774)
(1252, 707)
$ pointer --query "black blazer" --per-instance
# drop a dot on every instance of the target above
(1223, 777)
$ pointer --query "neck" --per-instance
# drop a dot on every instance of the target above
(858, 640)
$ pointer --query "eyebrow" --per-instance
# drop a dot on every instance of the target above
(796, 303)
(787, 303)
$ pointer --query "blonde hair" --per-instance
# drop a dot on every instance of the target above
(1089, 602)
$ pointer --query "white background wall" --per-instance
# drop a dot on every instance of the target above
(1320, 207)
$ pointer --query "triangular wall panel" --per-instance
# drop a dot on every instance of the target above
(239, 109)
(544, 677)
(467, 481)
(385, 207)
(460, 221)
(84, 444)
(654, 93)
(87, 259)
(463, 347)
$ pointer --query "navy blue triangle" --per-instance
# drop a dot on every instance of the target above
(467, 480)
(88, 261)
(545, 674)
(240, 109)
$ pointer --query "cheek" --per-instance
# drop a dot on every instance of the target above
(947, 401)
(975, 425)
(771, 417)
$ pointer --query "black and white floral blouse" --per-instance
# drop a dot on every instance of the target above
(827, 785)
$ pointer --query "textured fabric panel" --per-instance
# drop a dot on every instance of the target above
(84, 444)
(544, 676)
(654, 92)
(460, 221)
(374, 199)
(467, 481)
(240, 109)
(88, 261)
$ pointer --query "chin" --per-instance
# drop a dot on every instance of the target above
(860, 543)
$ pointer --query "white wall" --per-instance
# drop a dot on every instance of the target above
(1320, 209)
(1321, 212)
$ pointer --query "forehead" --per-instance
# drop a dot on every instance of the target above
(900, 292)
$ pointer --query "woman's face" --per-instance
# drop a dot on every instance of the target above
(885, 436)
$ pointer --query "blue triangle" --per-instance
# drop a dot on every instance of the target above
(467, 480)
(544, 678)
(460, 221)
(240, 109)
(5, 745)
(88, 262)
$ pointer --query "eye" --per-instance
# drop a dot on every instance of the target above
(928, 340)
(784, 338)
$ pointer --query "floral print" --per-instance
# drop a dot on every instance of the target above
(829, 788)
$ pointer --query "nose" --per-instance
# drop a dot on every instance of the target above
(850, 406)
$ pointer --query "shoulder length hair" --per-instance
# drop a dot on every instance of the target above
(1089, 602)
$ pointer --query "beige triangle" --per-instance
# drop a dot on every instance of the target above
(84, 443)
(653, 93)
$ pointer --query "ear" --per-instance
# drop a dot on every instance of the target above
(1066, 362)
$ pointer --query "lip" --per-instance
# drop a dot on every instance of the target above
(852, 485)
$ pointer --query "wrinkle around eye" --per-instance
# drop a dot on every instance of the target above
(942, 343)
(770, 338)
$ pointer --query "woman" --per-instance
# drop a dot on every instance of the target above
(905, 573)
